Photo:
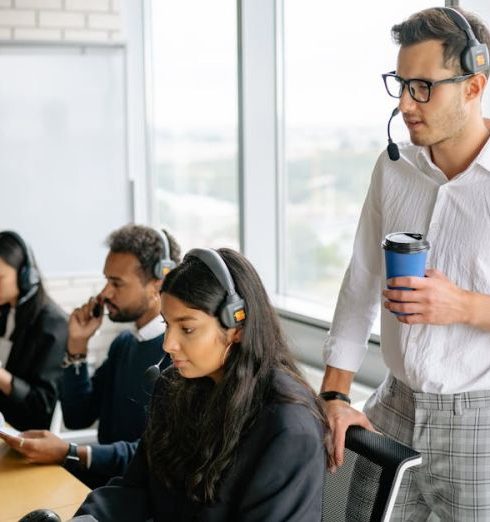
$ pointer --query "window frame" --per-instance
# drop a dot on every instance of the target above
(261, 169)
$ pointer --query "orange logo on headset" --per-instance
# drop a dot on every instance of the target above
(480, 59)
(239, 315)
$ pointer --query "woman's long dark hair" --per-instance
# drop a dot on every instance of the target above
(12, 253)
(196, 426)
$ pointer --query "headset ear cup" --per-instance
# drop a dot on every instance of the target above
(28, 278)
(232, 313)
(467, 60)
(162, 268)
(158, 270)
(478, 56)
(474, 57)
(34, 276)
(24, 283)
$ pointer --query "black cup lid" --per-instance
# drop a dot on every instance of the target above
(405, 242)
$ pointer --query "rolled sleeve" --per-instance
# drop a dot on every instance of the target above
(343, 354)
(360, 293)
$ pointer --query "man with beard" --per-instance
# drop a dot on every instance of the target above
(116, 394)
(435, 330)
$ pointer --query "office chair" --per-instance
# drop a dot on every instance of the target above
(377, 460)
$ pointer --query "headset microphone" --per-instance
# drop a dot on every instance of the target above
(393, 152)
(152, 373)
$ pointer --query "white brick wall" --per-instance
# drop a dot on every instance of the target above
(60, 20)
(36, 34)
(86, 36)
(88, 5)
(17, 18)
(38, 4)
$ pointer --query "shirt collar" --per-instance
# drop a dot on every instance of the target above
(151, 330)
(483, 158)
(426, 165)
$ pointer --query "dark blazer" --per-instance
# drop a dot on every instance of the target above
(35, 363)
(277, 476)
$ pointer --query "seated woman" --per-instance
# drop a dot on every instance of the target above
(33, 333)
(234, 433)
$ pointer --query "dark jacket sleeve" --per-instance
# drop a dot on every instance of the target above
(287, 482)
(123, 499)
(81, 396)
(112, 459)
(36, 370)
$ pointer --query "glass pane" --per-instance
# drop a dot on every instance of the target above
(62, 152)
(194, 120)
(336, 111)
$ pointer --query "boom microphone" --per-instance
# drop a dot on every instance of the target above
(393, 152)
(153, 372)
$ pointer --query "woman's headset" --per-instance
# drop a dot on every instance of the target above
(474, 57)
(28, 278)
(232, 310)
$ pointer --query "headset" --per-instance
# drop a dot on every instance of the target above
(474, 57)
(232, 310)
(163, 266)
(28, 278)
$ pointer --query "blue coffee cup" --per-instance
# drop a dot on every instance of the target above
(405, 255)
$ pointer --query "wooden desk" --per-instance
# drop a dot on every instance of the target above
(25, 487)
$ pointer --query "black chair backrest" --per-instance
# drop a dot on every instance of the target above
(374, 463)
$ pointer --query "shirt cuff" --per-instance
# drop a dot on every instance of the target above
(343, 354)
(89, 456)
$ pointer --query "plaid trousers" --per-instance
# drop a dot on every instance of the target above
(452, 433)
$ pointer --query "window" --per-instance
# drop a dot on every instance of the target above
(335, 113)
(193, 130)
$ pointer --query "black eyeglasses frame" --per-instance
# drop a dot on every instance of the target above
(430, 84)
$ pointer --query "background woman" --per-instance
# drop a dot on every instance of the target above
(33, 333)
(234, 431)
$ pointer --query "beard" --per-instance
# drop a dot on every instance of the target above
(447, 124)
(128, 314)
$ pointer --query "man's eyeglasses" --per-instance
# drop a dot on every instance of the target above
(418, 89)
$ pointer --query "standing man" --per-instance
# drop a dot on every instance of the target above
(436, 397)
(116, 395)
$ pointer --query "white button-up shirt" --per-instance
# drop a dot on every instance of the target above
(413, 195)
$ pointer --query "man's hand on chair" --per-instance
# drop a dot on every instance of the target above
(340, 416)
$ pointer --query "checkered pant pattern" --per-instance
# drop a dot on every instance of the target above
(452, 433)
